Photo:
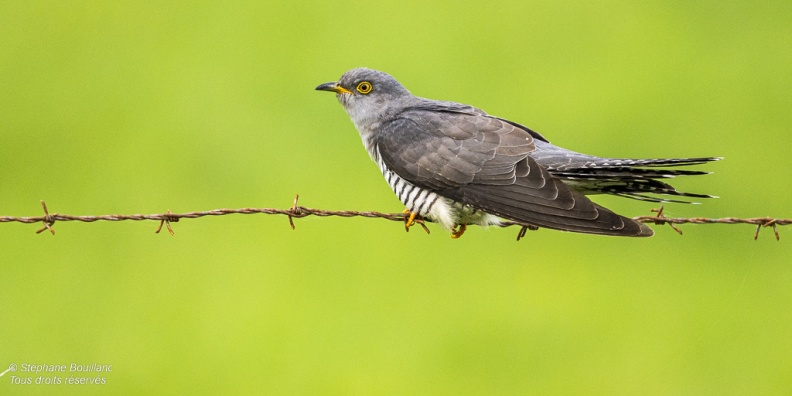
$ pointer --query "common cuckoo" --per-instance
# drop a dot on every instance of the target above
(457, 165)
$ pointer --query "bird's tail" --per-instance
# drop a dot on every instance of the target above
(633, 178)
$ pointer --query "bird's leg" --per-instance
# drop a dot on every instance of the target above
(411, 218)
(457, 232)
(525, 229)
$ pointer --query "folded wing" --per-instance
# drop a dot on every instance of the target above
(485, 162)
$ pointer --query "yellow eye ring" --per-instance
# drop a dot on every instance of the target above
(364, 87)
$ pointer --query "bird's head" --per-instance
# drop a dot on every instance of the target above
(367, 93)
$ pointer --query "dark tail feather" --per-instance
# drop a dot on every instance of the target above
(624, 178)
(652, 162)
(638, 189)
(624, 173)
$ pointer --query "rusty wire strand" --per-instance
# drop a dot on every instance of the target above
(296, 211)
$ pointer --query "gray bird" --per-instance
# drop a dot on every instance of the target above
(457, 165)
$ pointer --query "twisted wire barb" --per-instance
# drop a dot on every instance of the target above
(296, 211)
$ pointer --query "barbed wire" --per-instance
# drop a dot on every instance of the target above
(295, 211)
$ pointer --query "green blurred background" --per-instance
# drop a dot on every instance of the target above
(139, 108)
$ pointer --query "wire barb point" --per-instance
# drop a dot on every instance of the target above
(661, 219)
(48, 220)
(767, 222)
(167, 220)
(423, 224)
(294, 210)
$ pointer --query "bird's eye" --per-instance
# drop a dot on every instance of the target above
(364, 87)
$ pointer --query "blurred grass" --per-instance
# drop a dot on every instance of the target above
(139, 108)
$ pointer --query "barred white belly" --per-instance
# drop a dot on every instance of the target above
(431, 205)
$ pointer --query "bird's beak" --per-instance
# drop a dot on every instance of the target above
(333, 87)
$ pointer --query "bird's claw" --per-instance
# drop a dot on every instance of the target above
(411, 218)
(457, 231)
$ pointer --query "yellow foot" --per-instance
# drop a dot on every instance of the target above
(409, 220)
(413, 218)
(456, 233)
